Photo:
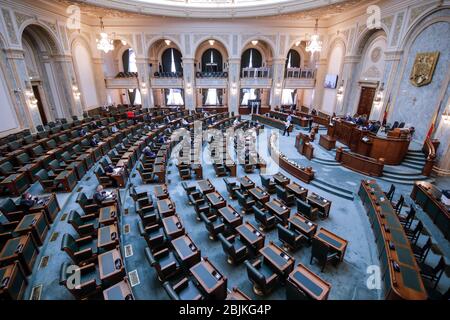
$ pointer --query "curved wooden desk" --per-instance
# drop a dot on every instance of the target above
(399, 270)
(428, 197)
(362, 164)
(306, 174)
(392, 149)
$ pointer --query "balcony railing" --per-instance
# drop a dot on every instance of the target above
(263, 72)
(220, 74)
(300, 73)
(168, 75)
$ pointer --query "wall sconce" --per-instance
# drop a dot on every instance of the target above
(76, 92)
(233, 89)
(188, 88)
(379, 96)
(211, 42)
(446, 116)
(278, 88)
(144, 88)
(297, 43)
(254, 42)
(340, 91)
(168, 42)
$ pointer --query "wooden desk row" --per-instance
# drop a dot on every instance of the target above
(399, 270)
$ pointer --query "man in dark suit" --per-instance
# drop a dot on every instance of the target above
(27, 201)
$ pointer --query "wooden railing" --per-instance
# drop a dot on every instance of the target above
(429, 148)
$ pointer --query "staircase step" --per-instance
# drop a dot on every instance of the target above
(413, 166)
(420, 158)
(326, 162)
(342, 193)
(415, 151)
(404, 177)
(402, 173)
(415, 162)
(406, 182)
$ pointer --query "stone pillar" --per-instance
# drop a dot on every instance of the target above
(189, 83)
(65, 80)
(28, 118)
(392, 64)
(233, 84)
(349, 75)
(143, 68)
(277, 82)
(99, 80)
(321, 70)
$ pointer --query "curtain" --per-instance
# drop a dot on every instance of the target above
(174, 97)
(212, 61)
(256, 59)
(132, 95)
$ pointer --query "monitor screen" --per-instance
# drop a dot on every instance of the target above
(331, 81)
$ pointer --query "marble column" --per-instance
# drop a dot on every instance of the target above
(143, 68)
(28, 117)
(321, 71)
(65, 80)
(99, 80)
(392, 65)
(277, 81)
(349, 75)
(233, 84)
(189, 83)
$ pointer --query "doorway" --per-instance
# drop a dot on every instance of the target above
(366, 101)
(40, 106)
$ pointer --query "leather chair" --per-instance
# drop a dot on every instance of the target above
(146, 175)
(305, 209)
(421, 252)
(185, 289)
(413, 234)
(47, 180)
(164, 262)
(11, 210)
(88, 205)
(90, 283)
(55, 166)
(220, 170)
(6, 230)
(321, 252)
(390, 193)
(103, 178)
(407, 219)
(268, 184)
(187, 188)
(86, 225)
(81, 251)
(264, 279)
(153, 234)
(291, 239)
(232, 187)
(433, 274)
(267, 220)
(144, 207)
(185, 172)
(214, 224)
(234, 248)
(398, 205)
(245, 201)
(287, 197)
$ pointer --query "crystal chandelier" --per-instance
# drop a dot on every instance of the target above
(104, 43)
(314, 45)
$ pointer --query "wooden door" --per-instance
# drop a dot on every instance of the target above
(366, 101)
(40, 106)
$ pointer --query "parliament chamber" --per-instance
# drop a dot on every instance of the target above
(302, 155)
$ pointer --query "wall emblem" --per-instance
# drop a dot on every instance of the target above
(423, 69)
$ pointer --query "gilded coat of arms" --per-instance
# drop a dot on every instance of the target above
(423, 69)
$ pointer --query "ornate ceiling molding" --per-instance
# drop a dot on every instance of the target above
(295, 9)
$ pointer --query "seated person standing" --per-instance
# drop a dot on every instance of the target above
(27, 201)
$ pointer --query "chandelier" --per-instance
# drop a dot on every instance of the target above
(104, 43)
(314, 45)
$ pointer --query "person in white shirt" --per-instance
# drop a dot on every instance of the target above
(287, 124)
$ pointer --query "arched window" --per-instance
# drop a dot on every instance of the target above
(171, 60)
(212, 61)
(251, 58)
(293, 59)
